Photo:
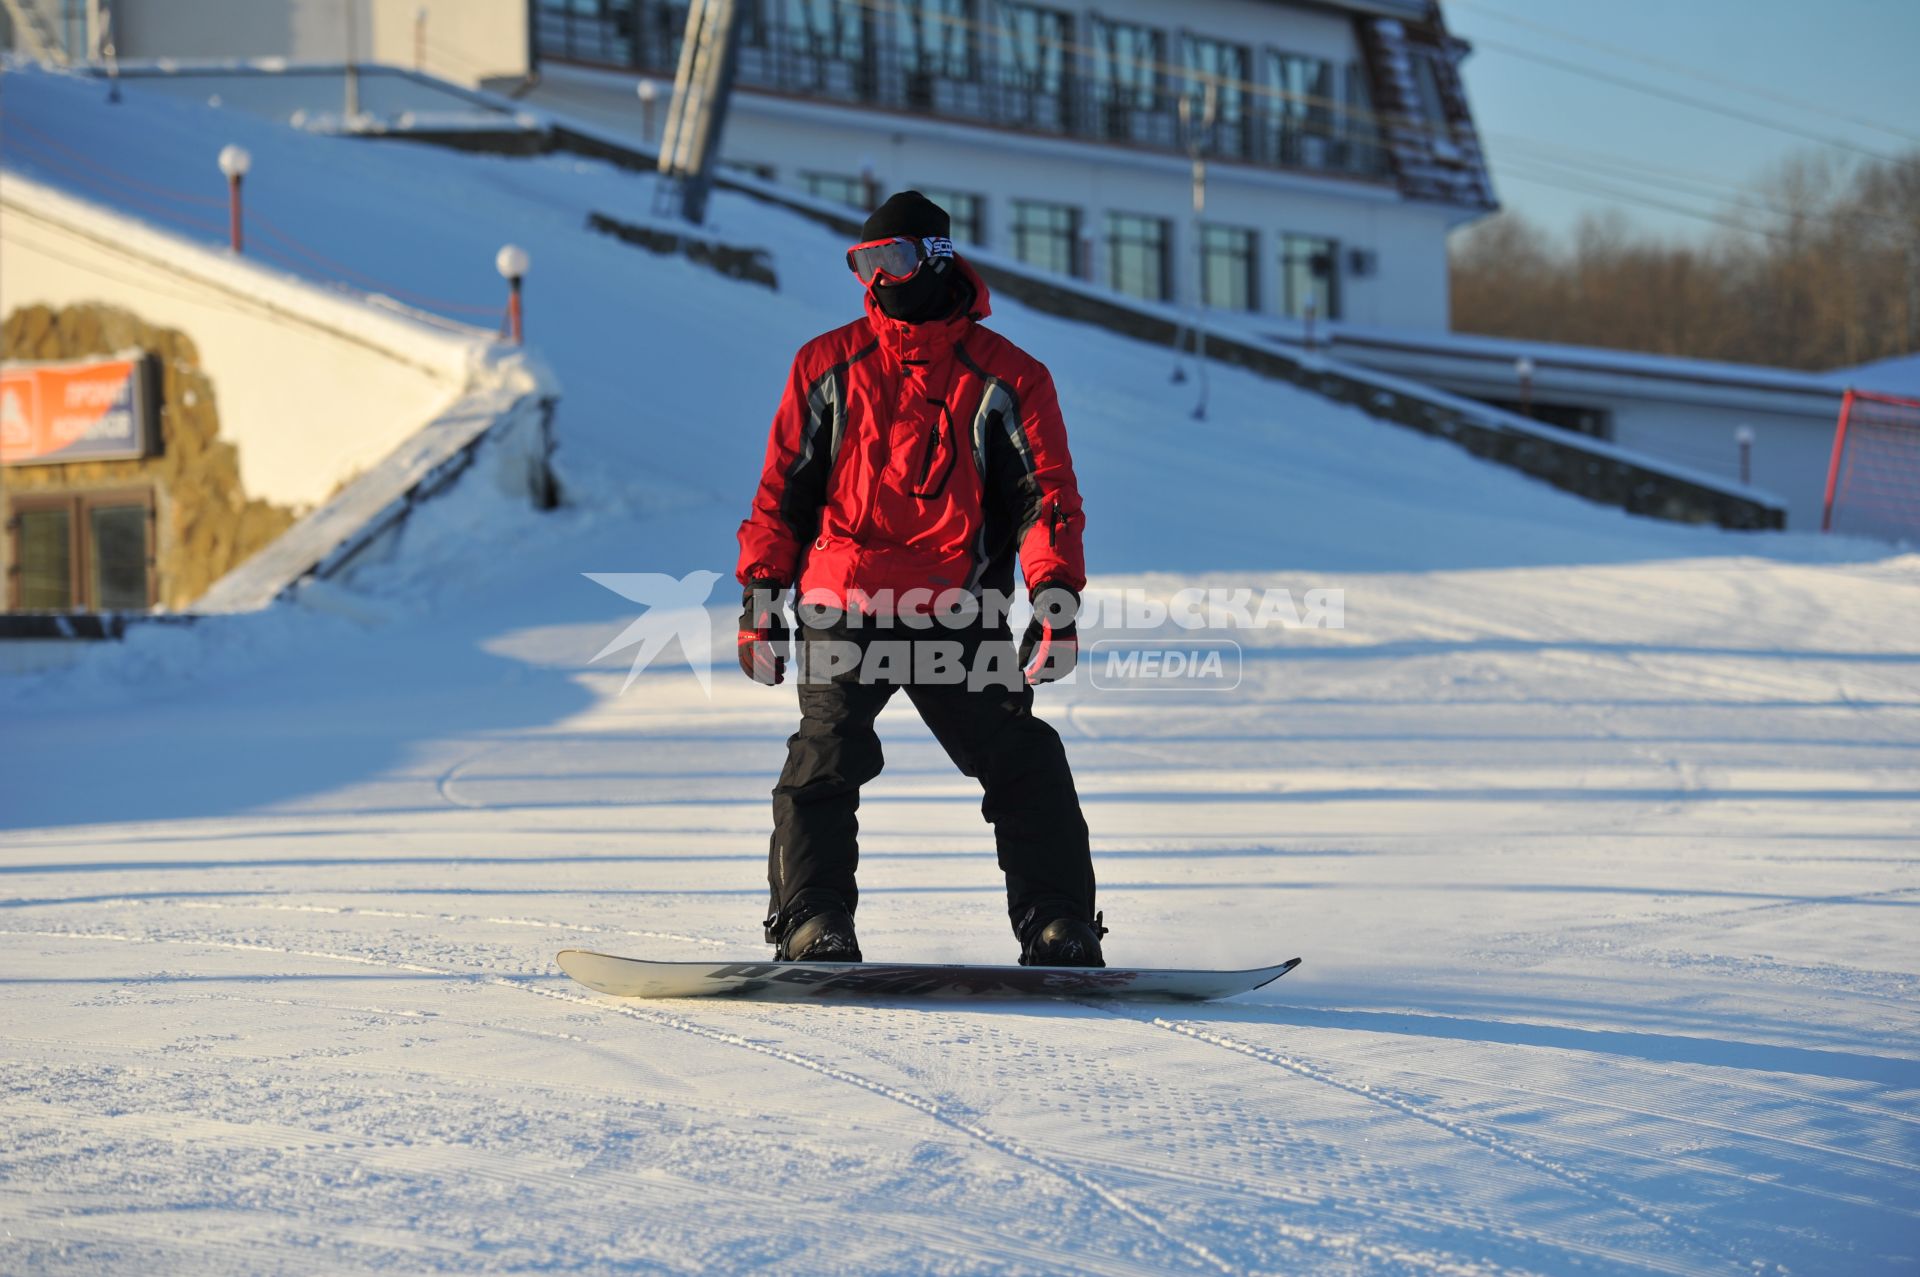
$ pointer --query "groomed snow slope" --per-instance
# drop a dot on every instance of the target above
(1598, 836)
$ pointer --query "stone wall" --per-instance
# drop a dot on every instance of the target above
(205, 524)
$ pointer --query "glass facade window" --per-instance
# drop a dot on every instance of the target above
(1047, 235)
(830, 30)
(1304, 105)
(1035, 47)
(819, 46)
(1426, 78)
(969, 213)
(1228, 260)
(1309, 276)
(936, 38)
(1228, 69)
(1053, 68)
(1138, 256)
(1360, 127)
(1124, 64)
(590, 30)
(837, 187)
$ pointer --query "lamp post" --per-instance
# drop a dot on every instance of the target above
(512, 263)
(649, 103)
(1523, 369)
(102, 24)
(1199, 129)
(420, 38)
(352, 106)
(1743, 439)
(234, 162)
(869, 182)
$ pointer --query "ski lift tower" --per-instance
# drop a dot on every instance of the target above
(701, 89)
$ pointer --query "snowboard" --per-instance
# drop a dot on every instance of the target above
(806, 981)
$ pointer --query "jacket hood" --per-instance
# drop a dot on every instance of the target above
(936, 337)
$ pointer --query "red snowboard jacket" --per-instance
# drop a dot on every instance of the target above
(915, 456)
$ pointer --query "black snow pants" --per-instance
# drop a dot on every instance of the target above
(989, 732)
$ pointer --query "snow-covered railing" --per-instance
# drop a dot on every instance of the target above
(506, 413)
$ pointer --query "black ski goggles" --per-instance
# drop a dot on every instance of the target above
(897, 258)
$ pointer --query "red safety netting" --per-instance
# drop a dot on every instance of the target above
(1873, 480)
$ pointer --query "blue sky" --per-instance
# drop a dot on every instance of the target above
(1852, 57)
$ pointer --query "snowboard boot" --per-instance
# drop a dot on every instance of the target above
(818, 932)
(1063, 942)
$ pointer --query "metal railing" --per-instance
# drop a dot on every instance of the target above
(865, 62)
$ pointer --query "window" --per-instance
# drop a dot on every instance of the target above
(43, 555)
(659, 31)
(1227, 260)
(825, 46)
(1426, 78)
(967, 211)
(592, 31)
(1303, 109)
(1309, 276)
(1034, 43)
(836, 187)
(79, 552)
(1137, 256)
(936, 38)
(1359, 126)
(1125, 65)
(1225, 68)
(1047, 235)
(828, 29)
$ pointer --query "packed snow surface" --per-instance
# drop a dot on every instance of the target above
(1598, 837)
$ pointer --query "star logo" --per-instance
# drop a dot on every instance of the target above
(675, 609)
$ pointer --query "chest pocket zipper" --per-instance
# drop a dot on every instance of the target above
(925, 487)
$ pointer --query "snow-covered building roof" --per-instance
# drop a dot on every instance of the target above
(1899, 375)
(1688, 412)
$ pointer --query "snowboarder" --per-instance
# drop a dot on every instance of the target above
(914, 455)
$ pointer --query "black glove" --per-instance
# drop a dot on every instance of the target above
(1051, 645)
(763, 633)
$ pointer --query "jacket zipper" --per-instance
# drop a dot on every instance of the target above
(1053, 525)
(926, 462)
(925, 488)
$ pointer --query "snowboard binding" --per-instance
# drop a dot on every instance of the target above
(1064, 942)
(814, 931)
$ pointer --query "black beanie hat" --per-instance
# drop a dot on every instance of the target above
(907, 213)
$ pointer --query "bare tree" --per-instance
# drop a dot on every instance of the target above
(1819, 268)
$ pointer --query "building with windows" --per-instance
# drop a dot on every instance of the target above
(1339, 145)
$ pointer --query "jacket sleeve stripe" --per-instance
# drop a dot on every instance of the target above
(804, 493)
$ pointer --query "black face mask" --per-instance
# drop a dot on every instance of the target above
(929, 294)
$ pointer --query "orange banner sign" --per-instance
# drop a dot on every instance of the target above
(88, 410)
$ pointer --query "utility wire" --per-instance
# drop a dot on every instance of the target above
(1742, 199)
(1686, 99)
(1664, 64)
(1588, 187)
